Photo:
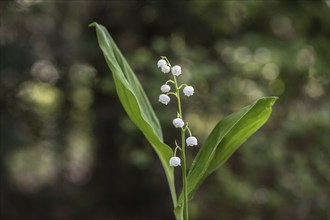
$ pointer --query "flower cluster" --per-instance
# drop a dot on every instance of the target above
(164, 98)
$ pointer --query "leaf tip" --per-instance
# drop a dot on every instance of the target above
(270, 100)
(273, 100)
(93, 24)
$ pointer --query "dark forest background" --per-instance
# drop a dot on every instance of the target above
(69, 151)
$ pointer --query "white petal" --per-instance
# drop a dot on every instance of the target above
(191, 141)
(188, 90)
(175, 161)
(165, 69)
(176, 70)
(165, 88)
(165, 99)
(178, 123)
(161, 63)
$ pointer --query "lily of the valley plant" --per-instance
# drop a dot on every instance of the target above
(222, 142)
(178, 122)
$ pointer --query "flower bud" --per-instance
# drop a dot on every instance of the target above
(165, 99)
(161, 63)
(175, 161)
(165, 69)
(188, 90)
(178, 123)
(176, 70)
(165, 88)
(191, 141)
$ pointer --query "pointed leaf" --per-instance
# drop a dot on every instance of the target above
(135, 101)
(225, 139)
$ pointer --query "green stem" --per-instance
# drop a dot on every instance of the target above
(188, 130)
(183, 147)
(184, 177)
(177, 91)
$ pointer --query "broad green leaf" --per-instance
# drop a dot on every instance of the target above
(224, 140)
(135, 101)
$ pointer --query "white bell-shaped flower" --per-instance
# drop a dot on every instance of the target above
(188, 90)
(165, 88)
(165, 69)
(165, 99)
(175, 161)
(178, 123)
(191, 141)
(161, 63)
(176, 70)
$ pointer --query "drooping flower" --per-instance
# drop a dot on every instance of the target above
(161, 63)
(188, 90)
(176, 70)
(178, 123)
(165, 99)
(165, 88)
(165, 69)
(191, 141)
(175, 161)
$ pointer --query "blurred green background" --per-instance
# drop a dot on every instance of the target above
(69, 151)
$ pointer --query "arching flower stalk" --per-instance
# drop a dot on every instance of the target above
(178, 122)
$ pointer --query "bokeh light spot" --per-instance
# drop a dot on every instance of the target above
(40, 97)
(313, 89)
(242, 54)
(305, 58)
(270, 71)
(44, 71)
(262, 55)
(82, 98)
(282, 26)
(32, 167)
